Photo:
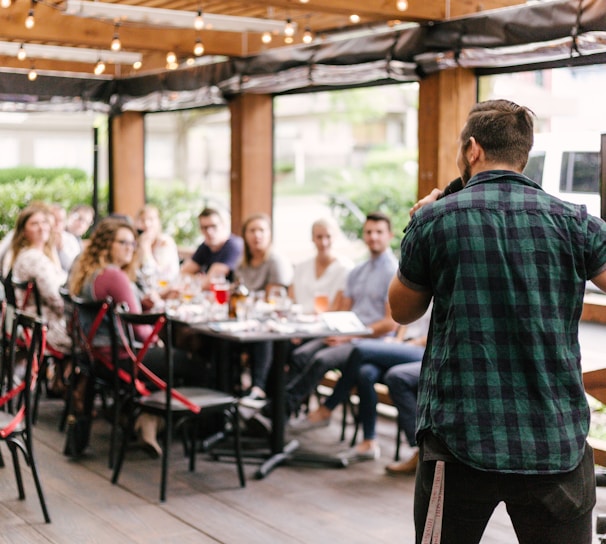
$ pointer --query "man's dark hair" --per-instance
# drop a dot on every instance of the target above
(207, 212)
(503, 129)
(379, 216)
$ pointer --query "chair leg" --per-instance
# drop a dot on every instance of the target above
(119, 459)
(356, 418)
(168, 430)
(235, 417)
(34, 469)
(13, 447)
(398, 441)
(344, 420)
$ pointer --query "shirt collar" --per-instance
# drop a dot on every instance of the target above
(491, 176)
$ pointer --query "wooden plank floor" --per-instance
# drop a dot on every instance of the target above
(294, 504)
(358, 504)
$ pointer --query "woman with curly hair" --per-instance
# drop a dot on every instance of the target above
(108, 268)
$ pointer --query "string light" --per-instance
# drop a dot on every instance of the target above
(99, 67)
(354, 18)
(266, 37)
(5, 3)
(116, 43)
(21, 54)
(288, 40)
(199, 20)
(32, 74)
(29, 20)
(289, 29)
(308, 37)
(137, 65)
(198, 47)
(171, 58)
(402, 5)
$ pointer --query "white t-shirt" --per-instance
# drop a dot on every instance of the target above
(306, 286)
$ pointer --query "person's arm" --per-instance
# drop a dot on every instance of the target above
(190, 267)
(114, 283)
(600, 281)
(407, 305)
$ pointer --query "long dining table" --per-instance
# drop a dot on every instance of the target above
(230, 333)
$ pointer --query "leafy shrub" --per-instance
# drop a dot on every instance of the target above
(20, 186)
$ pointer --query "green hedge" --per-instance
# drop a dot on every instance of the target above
(19, 186)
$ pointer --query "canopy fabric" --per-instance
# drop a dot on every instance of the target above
(532, 36)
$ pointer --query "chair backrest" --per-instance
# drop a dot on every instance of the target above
(23, 294)
(35, 335)
(161, 327)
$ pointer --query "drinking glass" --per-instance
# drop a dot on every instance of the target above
(321, 303)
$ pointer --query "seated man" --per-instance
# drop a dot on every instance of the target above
(220, 252)
(366, 366)
(366, 295)
(403, 383)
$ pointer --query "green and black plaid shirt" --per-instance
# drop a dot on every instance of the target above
(501, 382)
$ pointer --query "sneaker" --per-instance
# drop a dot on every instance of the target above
(255, 399)
(353, 455)
(303, 425)
(403, 467)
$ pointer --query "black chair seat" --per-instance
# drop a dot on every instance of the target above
(202, 397)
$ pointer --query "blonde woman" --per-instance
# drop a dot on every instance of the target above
(261, 269)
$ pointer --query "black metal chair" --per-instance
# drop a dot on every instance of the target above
(16, 422)
(25, 296)
(96, 372)
(188, 406)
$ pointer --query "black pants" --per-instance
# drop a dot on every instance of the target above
(550, 509)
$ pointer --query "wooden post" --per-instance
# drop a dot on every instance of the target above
(445, 99)
(127, 177)
(251, 157)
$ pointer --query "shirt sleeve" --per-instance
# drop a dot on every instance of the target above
(114, 283)
(280, 271)
(234, 248)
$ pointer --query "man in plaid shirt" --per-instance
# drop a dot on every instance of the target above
(501, 405)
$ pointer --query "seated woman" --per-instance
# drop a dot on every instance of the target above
(323, 275)
(157, 251)
(33, 256)
(107, 268)
(260, 270)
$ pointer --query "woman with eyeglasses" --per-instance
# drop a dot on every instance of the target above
(108, 268)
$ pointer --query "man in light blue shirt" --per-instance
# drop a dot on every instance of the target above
(366, 295)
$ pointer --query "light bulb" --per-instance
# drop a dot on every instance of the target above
(289, 29)
(29, 20)
(199, 20)
(288, 39)
(99, 68)
(308, 37)
(402, 5)
(5, 3)
(198, 48)
(21, 54)
(266, 37)
(32, 75)
(137, 65)
(171, 58)
(116, 43)
(354, 18)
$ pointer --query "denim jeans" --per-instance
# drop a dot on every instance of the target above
(366, 365)
(544, 509)
(403, 383)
